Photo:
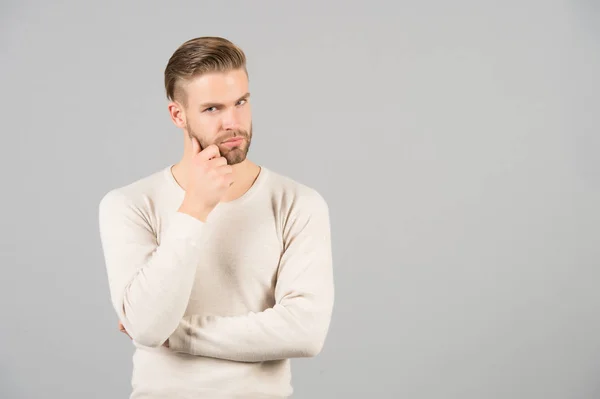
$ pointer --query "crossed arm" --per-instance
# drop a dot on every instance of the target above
(296, 326)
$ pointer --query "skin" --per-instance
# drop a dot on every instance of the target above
(217, 108)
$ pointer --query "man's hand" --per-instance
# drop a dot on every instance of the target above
(209, 176)
(123, 330)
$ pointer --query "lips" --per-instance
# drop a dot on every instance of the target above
(234, 140)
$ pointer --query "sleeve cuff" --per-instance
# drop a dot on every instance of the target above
(184, 226)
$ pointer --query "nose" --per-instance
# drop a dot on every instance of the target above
(230, 119)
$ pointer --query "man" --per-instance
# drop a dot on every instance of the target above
(219, 270)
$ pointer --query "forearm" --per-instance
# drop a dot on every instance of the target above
(277, 333)
(150, 284)
(152, 304)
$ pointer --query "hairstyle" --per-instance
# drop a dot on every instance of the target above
(199, 56)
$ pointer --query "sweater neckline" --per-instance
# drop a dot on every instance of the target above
(258, 182)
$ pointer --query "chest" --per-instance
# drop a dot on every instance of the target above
(241, 248)
(239, 260)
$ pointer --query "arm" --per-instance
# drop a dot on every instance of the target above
(298, 323)
(150, 284)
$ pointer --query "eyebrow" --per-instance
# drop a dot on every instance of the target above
(209, 105)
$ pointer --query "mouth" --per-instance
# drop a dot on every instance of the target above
(235, 142)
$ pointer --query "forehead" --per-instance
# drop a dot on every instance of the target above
(217, 87)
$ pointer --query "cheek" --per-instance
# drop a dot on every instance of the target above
(204, 126)
(247, 114)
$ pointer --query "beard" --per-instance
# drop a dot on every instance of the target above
(233, 155)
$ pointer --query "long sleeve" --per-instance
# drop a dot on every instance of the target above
(297, 325)
(150, 284)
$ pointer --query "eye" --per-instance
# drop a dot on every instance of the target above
(210, 109)
(242, 102)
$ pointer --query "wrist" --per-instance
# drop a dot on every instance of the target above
(200, 213)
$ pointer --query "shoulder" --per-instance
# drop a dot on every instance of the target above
(296, 196)
(134, 199)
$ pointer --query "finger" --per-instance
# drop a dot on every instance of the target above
(217, 162)
(221, 168)
(226, 170)
(196, 147)
(210, 152)
(227, 173)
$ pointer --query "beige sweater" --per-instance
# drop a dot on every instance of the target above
(235, 297)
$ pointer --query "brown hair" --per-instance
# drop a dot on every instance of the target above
(198, 56)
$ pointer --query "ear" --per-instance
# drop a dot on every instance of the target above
(177, 114)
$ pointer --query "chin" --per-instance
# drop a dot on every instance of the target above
(233, 159)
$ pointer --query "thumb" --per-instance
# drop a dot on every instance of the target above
(196, 147)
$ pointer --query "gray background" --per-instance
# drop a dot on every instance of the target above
(456, 143)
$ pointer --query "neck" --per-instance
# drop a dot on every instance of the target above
(244, 175)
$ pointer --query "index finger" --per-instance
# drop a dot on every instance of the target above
(210, 152)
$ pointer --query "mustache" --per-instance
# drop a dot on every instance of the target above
(236, 133)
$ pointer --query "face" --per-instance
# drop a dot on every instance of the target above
(218, 109)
